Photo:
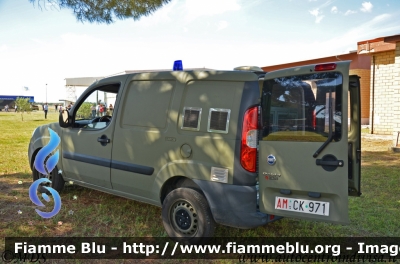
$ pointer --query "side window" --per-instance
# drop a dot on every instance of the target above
(146, 104)
(296, 108)
(97, 110)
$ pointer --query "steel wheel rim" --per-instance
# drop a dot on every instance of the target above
(184, 218)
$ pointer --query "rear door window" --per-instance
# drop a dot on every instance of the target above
(296, 108)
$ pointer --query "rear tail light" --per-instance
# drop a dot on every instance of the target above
(248, 152)
(325, 67)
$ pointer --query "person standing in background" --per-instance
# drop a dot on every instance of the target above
(45, 109)
(98, 110)
(111, 109)
(101, 110)
(93, 108)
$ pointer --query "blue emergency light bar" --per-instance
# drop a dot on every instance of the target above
(178, 65)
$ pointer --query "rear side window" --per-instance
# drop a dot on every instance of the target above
(296, 108)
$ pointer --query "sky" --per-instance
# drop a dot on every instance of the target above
(40, 46)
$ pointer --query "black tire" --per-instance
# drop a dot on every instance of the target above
(57, 182)
(187, 216)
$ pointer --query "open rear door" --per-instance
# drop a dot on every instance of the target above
(354, 136)
(304, 151)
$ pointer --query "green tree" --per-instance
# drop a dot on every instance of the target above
(106, 11)
(84, 111)
(23, 106)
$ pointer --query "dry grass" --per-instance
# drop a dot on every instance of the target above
(375, 213)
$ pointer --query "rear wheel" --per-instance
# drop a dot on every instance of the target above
(187, 216)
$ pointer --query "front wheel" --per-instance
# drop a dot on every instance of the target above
(187, 216)
(57, 182)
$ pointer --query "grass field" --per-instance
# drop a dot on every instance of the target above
(375, 213)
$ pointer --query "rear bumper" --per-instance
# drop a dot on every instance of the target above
(234, 205)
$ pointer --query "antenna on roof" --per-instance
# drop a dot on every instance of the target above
(248, 68)
(257, 70)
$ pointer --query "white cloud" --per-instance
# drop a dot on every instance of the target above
(350, 12)
(317, 12)
(76, 39)
(3, 47)
(376, 27)
(38, 41)
(222, 25)
(318, 15)
(160, 16)
(382, 25)
(334, 10)
(198, 8)
(327, 3)
(366, 7)
(379, 18)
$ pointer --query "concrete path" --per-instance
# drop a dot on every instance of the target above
(377, 137)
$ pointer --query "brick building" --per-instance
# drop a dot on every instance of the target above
(384, 54)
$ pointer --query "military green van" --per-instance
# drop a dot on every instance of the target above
(239, 148)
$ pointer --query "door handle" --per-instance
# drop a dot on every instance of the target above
(329, 162)
(337, 163)
(104, 140)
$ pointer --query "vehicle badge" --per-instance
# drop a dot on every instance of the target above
(271, 160)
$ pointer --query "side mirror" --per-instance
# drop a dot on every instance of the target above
(64, 119)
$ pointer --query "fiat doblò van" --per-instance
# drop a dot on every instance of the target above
(237, 148)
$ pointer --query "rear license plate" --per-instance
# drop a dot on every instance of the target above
(302, 206)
